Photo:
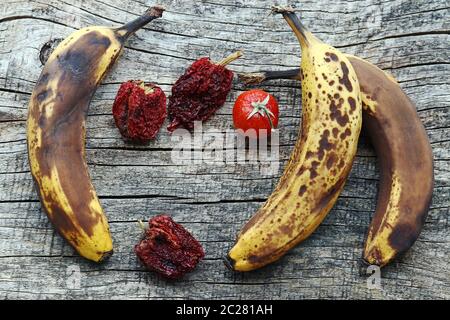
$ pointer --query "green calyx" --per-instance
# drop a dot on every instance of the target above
(261, 108)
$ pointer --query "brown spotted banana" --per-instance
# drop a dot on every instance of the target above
(56, 133)
(405, 157)
(320, 161)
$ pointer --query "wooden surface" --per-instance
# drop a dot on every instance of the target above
(409, 38)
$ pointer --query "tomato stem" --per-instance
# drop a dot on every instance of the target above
(268, 116)
(260, 107)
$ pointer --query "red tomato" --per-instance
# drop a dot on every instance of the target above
(255, 109)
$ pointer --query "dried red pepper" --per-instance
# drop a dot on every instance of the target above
(139, 110)
(200, 92)
(168, 248)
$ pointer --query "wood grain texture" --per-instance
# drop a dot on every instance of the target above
(409, 38)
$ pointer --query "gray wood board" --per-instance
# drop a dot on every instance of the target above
(408, 38)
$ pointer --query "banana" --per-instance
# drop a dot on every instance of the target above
(320, 161)
(406, 165)
(406, 160)
(56, 133)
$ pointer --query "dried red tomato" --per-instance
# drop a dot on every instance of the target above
(139, 110)
(199, 92)
(168, 248)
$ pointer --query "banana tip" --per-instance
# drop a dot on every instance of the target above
(229, 263)
(105, 256)
(364, 266)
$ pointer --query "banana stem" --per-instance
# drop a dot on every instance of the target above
(259, 77)
(131, 27)
(294, 22)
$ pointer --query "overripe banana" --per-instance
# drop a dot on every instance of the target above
(56, 133)
(406, 165)
(404, 152)
(321, 159)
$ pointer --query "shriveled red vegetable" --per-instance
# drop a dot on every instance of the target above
(139, 110)
(168, 248)
(200, 92)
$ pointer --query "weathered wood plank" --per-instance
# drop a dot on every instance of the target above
(408, 38)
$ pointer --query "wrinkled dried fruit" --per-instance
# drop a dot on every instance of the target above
(139, 110)
(200, 92)
(168, 248)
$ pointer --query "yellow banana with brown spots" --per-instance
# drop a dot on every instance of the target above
(320, 162)
(56, 133)
(404, 152)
